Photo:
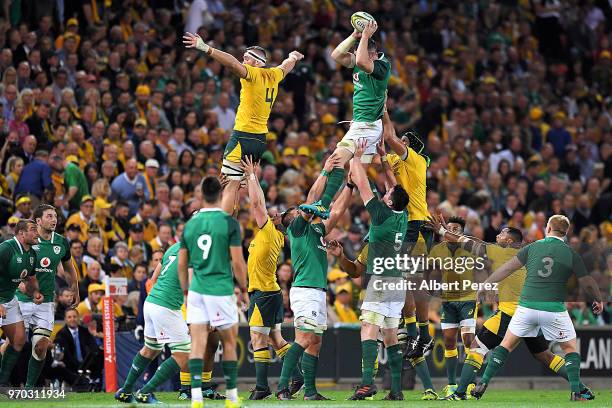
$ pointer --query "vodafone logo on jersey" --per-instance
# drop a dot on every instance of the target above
(45, 262)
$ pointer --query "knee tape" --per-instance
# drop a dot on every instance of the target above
(260, 329)
(468, 329)
(180, 347)
(153, 344)
(39, 334)
(306, 324)
(232, 170)
(347, 144)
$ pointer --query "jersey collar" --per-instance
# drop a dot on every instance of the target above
(19, 245)
(210, 209)
(554, 236)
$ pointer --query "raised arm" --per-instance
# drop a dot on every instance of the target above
(472, 245)
(340, 206)
(289, 63)
(341, 53)
(358, 174)
(354, 268)
(390, 137)
(362, 59)
(240, 273)
(256, 194)
(390, 180)
(319, 185)
(227, 60)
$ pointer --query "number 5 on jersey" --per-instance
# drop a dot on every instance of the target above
(204, 243)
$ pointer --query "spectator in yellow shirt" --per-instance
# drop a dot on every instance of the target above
(84, 218)
(93, 303)
(163, 239)
(342, 305)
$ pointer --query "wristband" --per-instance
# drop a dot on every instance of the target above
(324, 173)
(243, 290)
(442, 231)
(383, 157)
(350, 185)
(202, 46)
(252, 177)
(185, 292)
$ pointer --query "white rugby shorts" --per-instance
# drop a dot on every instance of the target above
(309, 308)
(556, 326)
(42, 315)
(13, 313)
(217, 311)
(164, 325)
(371, 131)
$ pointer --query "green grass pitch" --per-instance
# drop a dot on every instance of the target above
(493, 398)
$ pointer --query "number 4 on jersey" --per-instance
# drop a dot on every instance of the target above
(270, 96)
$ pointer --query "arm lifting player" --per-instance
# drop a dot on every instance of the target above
(307, 295)
(265, 313)
(550, 263)
(371, 73)
(508, 243)
(259, 89)
(382, 306)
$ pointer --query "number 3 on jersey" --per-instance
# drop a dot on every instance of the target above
(204, 242)
(270, 96)
(548, 265)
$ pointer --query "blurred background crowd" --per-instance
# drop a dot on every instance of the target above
(105, 115)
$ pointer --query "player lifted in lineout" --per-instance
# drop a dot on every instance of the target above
(407, 166)
(307, 295)
(382, 306)
(371, 72)
(266, 300)
(18, 260)
(550, 264)
(212, 246)
(508, 243)
(52, 257)
(259, 89)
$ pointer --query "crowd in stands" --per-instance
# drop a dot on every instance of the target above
(105, 115)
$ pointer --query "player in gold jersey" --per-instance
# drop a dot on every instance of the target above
(259, 89)
(265, 313)
(508, 243)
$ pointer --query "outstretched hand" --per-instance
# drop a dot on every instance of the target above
(195, 41)
(332, 162)
(361, 146)
(334, 248)
(380, 147)
(248, 166)
(370, 29)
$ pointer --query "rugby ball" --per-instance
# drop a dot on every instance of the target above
(360, 19)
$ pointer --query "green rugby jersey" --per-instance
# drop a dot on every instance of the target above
(17, 264)
(370, 91)
(208, 236)
(387, 231)
(49, 254)
(308, 254)
(550, 263)
(167, 290)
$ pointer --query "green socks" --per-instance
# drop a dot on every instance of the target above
(422, 370)
(139, 365)
(572, 366)
(495, 363)
(451, 356)
(424, 331)
(558, 366)
(195, 369)
(334, 181)
(167, 370)
(289, 363)
(473, 363)
(34, 369)
(262, 361)
(230, 373)
(309, 365)
(8, 363)
(395, 364)
(369, 352)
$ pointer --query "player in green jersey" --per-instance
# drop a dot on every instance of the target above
(52, 257)
(307, 295)
(507, 244)
(371, 73)
(550, 264)
(384, 298)
(211, 245)
(17, 259)
(164, 324)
